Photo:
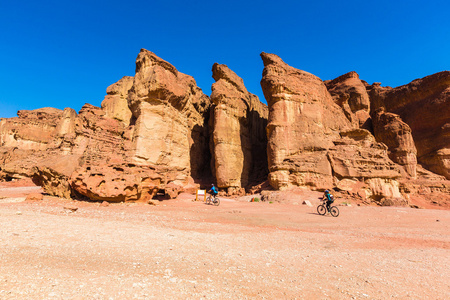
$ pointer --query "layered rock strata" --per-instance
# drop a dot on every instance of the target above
(312, 143)
(171, 114)
(360, 164)
(115, 103)
(303, 122)
(350, 93)
(423, 104)
(238, 138)
(129, 150)
(157, 132)
(396, 134)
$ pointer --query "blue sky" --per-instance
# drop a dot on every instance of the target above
(66, 53)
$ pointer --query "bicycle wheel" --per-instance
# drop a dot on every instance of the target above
(334, 211)
(208, 200)
(321, 209)
(216, 201)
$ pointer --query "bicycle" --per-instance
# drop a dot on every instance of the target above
(212, 199)
(322, 209)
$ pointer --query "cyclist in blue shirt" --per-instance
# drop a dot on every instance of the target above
(213, 191)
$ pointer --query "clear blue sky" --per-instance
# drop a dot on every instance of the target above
(66, 53)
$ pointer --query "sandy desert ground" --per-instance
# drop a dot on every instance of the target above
(181, 249)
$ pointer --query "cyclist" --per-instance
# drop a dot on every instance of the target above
(213, 191)
(330, 199)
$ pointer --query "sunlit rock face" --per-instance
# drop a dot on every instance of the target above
(303, 122)
(349, 92)
(170, 111)
(150, 135)
(115, 103)
(424, 105)
(31, 129)
(238, 138)
(157, 133)
(396, 134)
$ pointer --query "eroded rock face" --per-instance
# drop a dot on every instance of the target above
(313, 144)
(303, 122)
(151, 136)
(31, 130)
(396, 134)
(424, 105)
(238, 138)
(170, 111)
(115, 103)
(350, 93)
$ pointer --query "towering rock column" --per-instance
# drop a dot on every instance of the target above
(303, 121)
(239, 130)
(169, 110)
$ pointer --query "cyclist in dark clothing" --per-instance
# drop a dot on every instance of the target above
(329, 197)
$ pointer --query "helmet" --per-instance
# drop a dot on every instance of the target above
(327, 191)
(212, 184)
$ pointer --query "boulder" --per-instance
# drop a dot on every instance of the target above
(238, 138)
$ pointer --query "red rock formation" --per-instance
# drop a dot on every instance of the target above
(115, 103)
(424, 105)
(151, 135)
(238, 138)
(303, 122)
(310, 140)
(31, 130)
(95, 155)
(396, 134)
(350, 93)
(362, 165)
(170, 112)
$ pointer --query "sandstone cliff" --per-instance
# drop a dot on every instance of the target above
(157, 132)
(396, 134)
(350, 93)
(171, 112)
(149, 132)
(115, 103)
(316, 143)
(303, 122)
(238, 138)
(424, 105)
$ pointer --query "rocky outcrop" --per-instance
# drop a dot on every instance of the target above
(362, 165)
(157, 133)
(311, 142)
(350, 93)
(424, 105)
(171, 118)
(238, 137)
(30, 130)
(115, 103)
(99, 155)
(303, 122)
(396, 134)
